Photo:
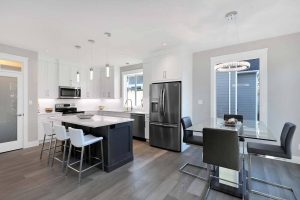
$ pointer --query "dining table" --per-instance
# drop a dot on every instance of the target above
(248, 129)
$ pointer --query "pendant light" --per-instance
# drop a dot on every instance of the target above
(233, 66)
(107, 67)
(78, 53)
(92, 42)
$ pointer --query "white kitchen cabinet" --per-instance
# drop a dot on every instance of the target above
(164, 67)
(110, 86)
(45, 118)
(68, 75)
(48, 81)
(90, 88)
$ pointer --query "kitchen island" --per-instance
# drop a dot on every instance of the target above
(116, 133)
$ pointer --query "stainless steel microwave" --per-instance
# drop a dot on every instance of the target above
(69, 92)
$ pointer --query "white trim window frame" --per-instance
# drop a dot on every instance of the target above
(261, 54)
(124, 85)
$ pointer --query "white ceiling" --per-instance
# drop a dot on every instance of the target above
(138, 27)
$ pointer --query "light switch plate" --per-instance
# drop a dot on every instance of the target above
(298, 146)
(200, 101)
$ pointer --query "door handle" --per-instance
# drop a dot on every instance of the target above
(163, 101)
(20, 115)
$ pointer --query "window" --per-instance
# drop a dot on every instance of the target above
(133, 87)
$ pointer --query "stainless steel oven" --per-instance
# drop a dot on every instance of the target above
(69, 92)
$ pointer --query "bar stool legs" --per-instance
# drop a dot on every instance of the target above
(81, 170)
(43, 145)
(80, 167)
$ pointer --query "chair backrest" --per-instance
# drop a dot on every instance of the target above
(240, 118)
(221, 148)
(76, 137)
(60, 132)
(48, 130)
(286, 137)
(186, 123)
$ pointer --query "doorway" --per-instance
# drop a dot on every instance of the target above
(12, 105)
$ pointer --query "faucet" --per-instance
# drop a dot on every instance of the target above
(126, 102)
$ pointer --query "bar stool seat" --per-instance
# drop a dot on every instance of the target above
(90, 139)
(266, 149)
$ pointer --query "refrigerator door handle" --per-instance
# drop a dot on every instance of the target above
(160, 102)
(164, 125)
(163, 101)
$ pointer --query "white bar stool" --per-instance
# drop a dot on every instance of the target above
(48, 132)
(63, 136)
(78, 139)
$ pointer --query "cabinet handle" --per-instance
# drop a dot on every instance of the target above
(164, 74)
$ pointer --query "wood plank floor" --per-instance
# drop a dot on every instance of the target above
(153, 175)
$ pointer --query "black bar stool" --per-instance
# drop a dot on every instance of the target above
(282, 151)
(190, 138)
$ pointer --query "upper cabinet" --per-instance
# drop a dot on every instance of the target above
(68, 75)
(110, 83)
(164, 67)
(53, 74)
(48, 79)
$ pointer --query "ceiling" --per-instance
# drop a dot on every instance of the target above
(139, 27)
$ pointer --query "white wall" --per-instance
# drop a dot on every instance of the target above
(283, 81)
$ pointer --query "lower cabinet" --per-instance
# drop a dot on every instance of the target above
(45, 118)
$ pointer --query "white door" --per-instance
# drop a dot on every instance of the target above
(11, 111)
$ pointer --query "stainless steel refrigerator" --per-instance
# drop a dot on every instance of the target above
(165, 114)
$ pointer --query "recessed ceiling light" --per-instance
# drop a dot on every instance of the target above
(164, 44)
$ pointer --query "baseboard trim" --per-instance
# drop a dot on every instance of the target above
(31, 144)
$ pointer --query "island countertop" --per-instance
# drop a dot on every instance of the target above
(95, 122)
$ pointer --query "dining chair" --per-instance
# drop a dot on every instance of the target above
(79, 140)
(221, 148)
(190, 138)
(284, 150)
(61, 136)
(48, 133)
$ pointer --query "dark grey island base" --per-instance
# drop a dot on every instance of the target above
(117, 143)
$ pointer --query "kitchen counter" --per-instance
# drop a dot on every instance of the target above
(94, 122)
(124, 111)
(49, 113)
(116, 133)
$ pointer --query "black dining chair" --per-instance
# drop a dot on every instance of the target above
(190, 138)
(239, 118)
(221, 148)
(284, 150)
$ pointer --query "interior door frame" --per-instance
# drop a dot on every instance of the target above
(24, 74)
(261, 54)
(13, 145)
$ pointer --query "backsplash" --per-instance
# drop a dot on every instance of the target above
(81, 104)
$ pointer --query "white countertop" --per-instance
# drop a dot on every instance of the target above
(49, 113)
(94, 122)
(124, 111)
